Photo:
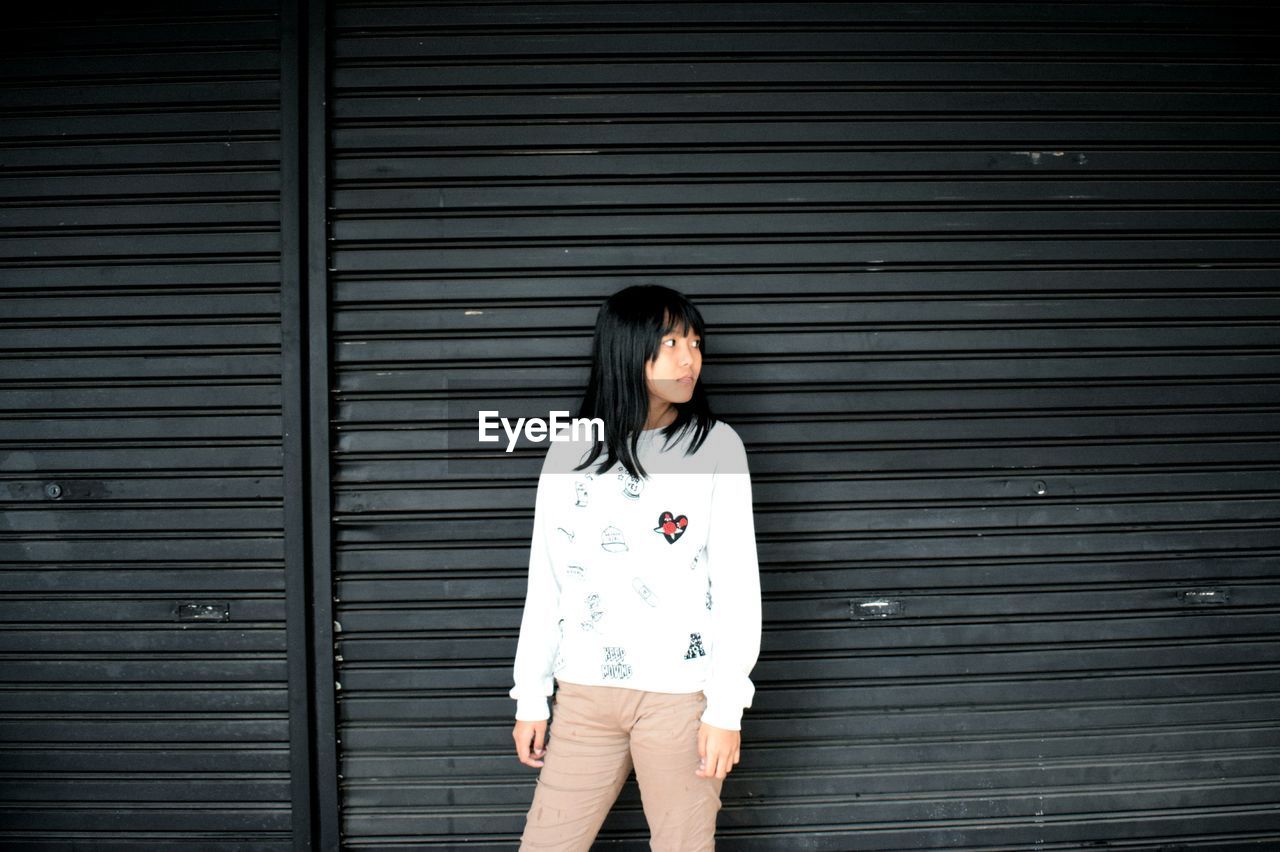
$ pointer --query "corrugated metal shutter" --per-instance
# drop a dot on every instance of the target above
(993, 294)
(140, 289)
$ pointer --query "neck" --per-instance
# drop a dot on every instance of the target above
(665, 418)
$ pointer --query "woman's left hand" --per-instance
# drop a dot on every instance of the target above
(718, 750)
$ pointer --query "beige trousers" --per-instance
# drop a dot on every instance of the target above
(596, 736)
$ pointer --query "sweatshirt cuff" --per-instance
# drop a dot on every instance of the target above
(721, 715)
(533, 708)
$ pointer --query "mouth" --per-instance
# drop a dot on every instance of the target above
(688, 380)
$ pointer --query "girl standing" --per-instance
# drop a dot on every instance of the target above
(643, 601)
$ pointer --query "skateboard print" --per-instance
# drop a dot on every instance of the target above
(646, 594)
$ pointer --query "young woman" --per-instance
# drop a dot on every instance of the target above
(643, 600)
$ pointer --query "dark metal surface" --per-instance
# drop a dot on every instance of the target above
(144, 649)
(992, 303)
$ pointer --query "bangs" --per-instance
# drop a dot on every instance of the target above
(680, 314)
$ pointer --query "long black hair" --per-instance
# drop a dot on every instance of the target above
(629, 329)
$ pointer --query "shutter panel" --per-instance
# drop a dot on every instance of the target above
(993, 306)
(145, 701)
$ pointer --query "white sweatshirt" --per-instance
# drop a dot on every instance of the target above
(648, 584)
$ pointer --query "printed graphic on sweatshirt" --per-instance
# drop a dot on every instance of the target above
(568, 533)
(615, 665)
(671, 526)
(698, 557)
(595, 611)
(612, 539)
(631, 487)
(708, 591)
(576, 572)
(695, 647)
(646, 594)
(560, 662)
(580, 489)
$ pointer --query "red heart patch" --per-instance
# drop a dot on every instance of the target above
(671, 526)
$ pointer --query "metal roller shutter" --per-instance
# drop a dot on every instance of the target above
(145, 700)
(993, 298)
(1011, 268)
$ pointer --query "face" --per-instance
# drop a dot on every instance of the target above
(671, 378)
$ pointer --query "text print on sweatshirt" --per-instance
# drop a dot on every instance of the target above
(649, 584)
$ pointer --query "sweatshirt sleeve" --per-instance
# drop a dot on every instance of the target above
(539, 630)
(735, 591)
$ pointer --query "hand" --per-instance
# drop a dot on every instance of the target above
(530, 732)
(719, 750)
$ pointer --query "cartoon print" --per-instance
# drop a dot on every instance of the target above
(582, 493)
(577, 572)
(697, 557)
(646, 594)
(615, 665)
(612, 539)
(695, 647)
(631, 486)
(567, 532)
(671, 527)
(708, 591)
(560, 662)
(595, 611)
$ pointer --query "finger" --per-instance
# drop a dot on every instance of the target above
(522, 747)
(706, 761)
(715, 759)
(538, 750)
(722, 766)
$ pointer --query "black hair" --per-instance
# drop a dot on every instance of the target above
(629, 329)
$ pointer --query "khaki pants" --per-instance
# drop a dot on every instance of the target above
(597, 734)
